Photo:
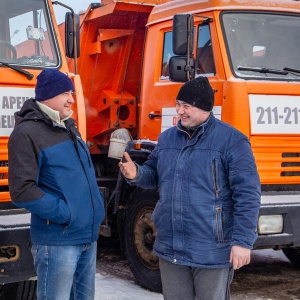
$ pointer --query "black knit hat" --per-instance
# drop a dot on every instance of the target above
(51, 83)
(197, 92)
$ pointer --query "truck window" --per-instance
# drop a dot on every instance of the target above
(25, 37)
(204, 59)
(167, 53)
(261, 44)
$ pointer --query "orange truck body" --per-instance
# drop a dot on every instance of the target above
(125, 47)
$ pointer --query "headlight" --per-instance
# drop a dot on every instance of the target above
(270, 224)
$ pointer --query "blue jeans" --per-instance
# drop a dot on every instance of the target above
(184, 282)
(65, 272)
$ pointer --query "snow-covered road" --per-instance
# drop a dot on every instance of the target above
(113, 288)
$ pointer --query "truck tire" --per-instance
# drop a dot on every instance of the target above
(23, 290)
(293, 254)
(139, 240)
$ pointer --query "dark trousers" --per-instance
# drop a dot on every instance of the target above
(187, 283)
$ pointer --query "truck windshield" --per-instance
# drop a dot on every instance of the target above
(262, 41)
(26, 37)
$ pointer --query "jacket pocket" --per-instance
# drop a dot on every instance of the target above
(219, 225)
(215, 178)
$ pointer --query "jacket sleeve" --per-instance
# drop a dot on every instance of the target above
(246, 193)
(23, 175)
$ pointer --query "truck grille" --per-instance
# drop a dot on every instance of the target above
(295, 163)
(277, 159)
(4, 194)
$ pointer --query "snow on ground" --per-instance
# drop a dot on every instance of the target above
(109, 287)
(112, 288)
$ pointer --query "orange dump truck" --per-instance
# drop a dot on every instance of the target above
(249, 50)
(29, 43)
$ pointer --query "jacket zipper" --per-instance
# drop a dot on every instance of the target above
(75, 139)
(215, 179)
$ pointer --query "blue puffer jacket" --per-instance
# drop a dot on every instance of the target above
(209, 194)
(51, 174)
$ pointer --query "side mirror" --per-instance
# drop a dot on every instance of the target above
(178, 68)
(183, 34)
(72, 41)
(182, 66)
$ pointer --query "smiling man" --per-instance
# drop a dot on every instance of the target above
(51, 175)
(209, 198)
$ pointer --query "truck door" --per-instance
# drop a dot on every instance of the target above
(205, 65)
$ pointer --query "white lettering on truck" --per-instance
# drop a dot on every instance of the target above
(11, 100)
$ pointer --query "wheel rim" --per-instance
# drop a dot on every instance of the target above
(144, 237)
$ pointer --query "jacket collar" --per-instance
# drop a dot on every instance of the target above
(201, 129)
(53, 114)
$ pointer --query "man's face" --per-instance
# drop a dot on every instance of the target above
(190, 115)
(61, 103)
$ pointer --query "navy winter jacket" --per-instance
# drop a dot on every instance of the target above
(209, 194)
(51, 174)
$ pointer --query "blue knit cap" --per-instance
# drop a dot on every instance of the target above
(51, 83)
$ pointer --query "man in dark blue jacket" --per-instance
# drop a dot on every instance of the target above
(207, 212)
(51, 175)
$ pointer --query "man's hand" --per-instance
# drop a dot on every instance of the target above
(239, 256)
(128, 168)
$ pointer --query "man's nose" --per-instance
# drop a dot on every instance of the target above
(71, 97)
(180, 110)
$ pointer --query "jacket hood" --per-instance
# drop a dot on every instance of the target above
(30, 111)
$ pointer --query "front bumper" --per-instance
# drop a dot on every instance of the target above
(16, 262)
(287, 205)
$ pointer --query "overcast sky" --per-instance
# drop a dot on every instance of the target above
(77, 5)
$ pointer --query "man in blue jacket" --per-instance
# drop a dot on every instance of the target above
(51, 175)
(207, 212)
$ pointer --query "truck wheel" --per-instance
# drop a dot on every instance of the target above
(293, 254)
(140, 235)
(23, 290)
